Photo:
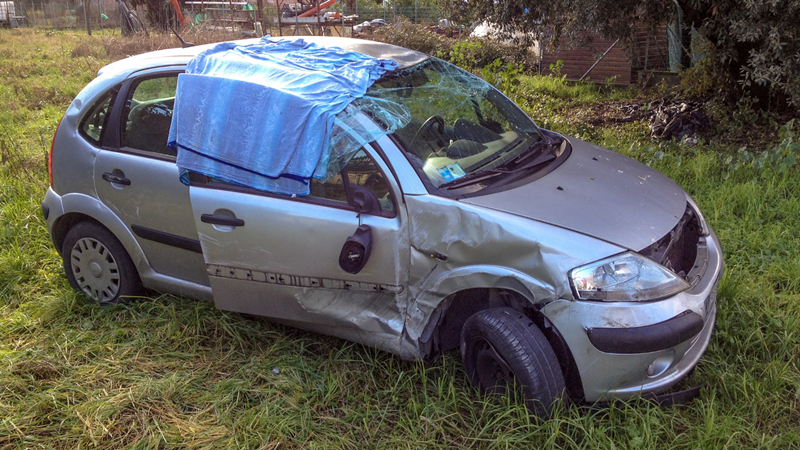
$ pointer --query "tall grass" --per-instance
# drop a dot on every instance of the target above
(167, 372)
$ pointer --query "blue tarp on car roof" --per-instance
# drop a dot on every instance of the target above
(261, 115)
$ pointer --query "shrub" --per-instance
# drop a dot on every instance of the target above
(469, 53)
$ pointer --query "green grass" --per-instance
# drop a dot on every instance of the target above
(167, 372)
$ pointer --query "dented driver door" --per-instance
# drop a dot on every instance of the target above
(278, 256)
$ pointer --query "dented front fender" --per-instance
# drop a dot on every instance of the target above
(457, 246)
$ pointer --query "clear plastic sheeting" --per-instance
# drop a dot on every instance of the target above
(349, 134)
(262, 115)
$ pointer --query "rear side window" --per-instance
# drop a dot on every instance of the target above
(94, 122)
(148, 114)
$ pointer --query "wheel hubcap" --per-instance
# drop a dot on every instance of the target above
(95, 269)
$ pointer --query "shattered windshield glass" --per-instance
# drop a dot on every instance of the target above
(460, 128)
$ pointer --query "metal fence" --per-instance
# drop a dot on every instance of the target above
(101, 15)
(98, 14)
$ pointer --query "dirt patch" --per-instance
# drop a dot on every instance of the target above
(607, 114)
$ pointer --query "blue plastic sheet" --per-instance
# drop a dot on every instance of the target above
(262, 115)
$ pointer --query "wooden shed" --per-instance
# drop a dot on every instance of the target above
(610, 61)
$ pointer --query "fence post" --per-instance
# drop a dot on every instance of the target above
(86, 16)
(30, 15)
(319, 27)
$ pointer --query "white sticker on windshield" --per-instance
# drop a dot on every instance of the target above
(451, 172)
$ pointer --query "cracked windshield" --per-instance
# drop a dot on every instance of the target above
(460, 127)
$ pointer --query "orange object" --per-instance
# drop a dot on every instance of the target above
(311, 11)
(177, 8)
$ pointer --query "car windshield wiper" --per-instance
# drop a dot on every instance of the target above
(539, 149)
(474, 178)
(542, 152)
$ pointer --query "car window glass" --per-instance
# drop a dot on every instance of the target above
(148, 114)
(363, 171)
(332, 189)
(96, 119)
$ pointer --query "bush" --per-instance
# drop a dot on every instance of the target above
(768, 163)
(469, 53)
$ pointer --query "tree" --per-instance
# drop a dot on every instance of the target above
(755, 44)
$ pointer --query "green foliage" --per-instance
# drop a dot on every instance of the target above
(467, 53)
(555, 70)
(505, 77)
(753, 46)
(463, 54)
(757, 41)
(769, 163)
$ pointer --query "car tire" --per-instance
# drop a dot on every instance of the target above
(503, 348)
(97, 264)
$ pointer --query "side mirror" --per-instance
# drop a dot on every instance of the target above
(365, 201)
(356, 250)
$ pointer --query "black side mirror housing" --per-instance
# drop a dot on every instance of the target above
(365, 201)
(356, 250)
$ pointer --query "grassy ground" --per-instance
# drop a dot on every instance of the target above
(166, 372)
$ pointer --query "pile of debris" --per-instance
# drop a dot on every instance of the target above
(675, 120)
(669, 119)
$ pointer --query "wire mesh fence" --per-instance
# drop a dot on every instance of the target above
(97, 14)
(232, 15)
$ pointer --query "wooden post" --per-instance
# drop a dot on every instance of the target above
(319, 26)
(86, 16)
(278, 4)
(259, 15)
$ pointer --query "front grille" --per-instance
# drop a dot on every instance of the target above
(677, 250)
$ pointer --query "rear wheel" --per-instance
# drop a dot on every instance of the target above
(502, 349)
(97, 264)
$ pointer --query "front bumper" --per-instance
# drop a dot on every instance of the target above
(621, 371)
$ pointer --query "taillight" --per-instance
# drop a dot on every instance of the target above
(50, 156)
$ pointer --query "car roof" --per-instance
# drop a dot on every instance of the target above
(181, 56)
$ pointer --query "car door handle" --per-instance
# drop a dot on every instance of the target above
(222, 220)
(117, 179)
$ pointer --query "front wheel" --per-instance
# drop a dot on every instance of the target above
(502, 348)
(97, 264)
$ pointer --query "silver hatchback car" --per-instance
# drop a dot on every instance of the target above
(567, 269)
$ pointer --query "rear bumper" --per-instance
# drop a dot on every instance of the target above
(52, 209)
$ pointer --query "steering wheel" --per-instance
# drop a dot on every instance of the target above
(431, 129)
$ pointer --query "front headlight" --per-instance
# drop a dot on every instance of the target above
(623, 278)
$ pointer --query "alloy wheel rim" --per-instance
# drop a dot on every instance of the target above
(95, 269)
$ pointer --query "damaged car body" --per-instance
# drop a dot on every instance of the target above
(550, 262)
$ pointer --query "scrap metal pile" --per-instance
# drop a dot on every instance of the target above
(675, 120)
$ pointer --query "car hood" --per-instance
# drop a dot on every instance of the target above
(599, 193)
